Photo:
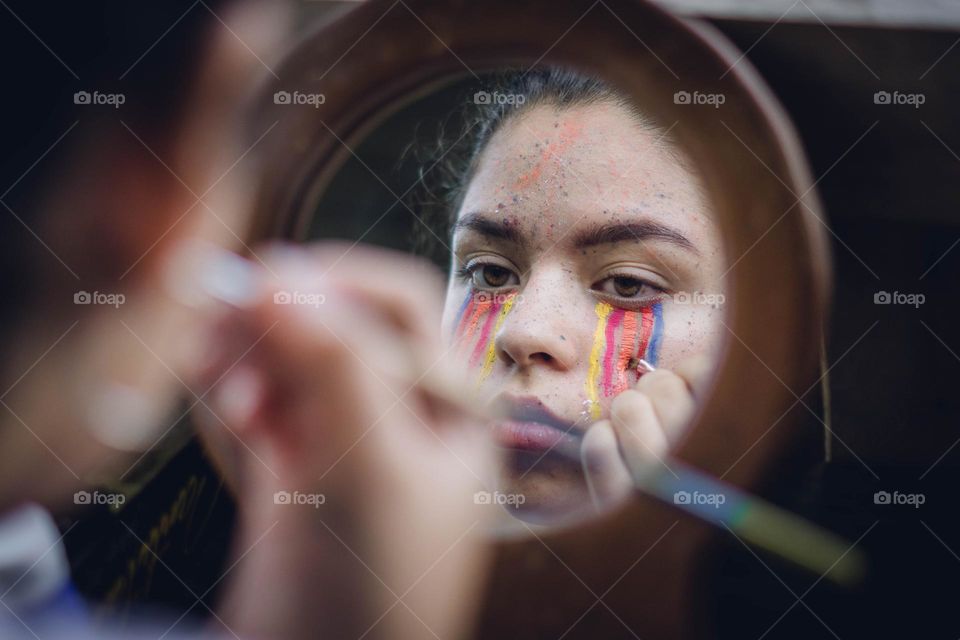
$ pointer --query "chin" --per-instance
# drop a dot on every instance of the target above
(542, 489)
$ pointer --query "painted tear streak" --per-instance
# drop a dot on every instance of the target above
(609, 367)
(653, 345)
(470, 323)
(613, 321)
(491, 355)
(481, 347)
(462, 312)
(628, 347)
(602, 310)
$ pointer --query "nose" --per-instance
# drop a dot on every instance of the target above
(539, 329)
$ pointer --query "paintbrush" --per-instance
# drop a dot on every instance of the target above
(750, 518)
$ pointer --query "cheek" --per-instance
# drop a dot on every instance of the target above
(620, 339)
(693, 329)
(478, 320)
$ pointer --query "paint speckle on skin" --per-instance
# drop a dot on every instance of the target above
(552, 152)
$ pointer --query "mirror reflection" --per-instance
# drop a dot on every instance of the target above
(584, 290)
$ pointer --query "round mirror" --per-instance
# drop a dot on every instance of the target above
(635, 271)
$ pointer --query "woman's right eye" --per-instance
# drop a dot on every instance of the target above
(491, 276)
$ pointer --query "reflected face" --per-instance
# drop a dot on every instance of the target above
(579, 246)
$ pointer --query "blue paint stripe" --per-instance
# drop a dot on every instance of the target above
(653, 347)
(463, 307)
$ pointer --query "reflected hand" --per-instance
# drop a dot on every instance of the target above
(643, 423)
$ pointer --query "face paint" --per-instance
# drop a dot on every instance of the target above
(464, 306)
(609, 371)
(651, 333)
(491, 355)
(469, 323)
(480, 319)
(596, 353)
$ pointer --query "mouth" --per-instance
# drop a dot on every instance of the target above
(528, 425)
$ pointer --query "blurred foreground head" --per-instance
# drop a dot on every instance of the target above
(120, 142)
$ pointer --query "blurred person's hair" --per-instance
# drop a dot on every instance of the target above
(149, 52)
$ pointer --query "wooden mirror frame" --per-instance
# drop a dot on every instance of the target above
(383, 54)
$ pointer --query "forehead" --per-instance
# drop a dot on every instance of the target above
(554, 167)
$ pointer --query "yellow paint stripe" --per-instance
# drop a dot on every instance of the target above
(596, 355)
(491, 355)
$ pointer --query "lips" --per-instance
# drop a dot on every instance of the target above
(528, 425)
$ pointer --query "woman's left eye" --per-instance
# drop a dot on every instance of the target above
(626, 287)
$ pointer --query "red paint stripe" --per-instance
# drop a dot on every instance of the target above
(481, 346)
(627, 341)
(464, 317)
(479, 307)
(613, 321)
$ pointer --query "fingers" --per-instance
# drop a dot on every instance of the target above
(608, 479)
(639, 431)
(673, 394)
(402, 289)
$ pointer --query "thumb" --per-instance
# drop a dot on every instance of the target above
(608, 479)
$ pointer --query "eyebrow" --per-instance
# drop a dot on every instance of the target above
(609, 233)
(625, 231)
(484, 225)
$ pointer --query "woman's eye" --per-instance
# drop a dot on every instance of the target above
(626, 287)
(491, 276)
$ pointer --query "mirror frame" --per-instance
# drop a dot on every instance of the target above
(382, 54)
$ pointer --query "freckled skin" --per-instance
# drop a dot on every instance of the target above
(547, 174)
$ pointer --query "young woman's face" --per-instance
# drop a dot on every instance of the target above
(582, 245)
